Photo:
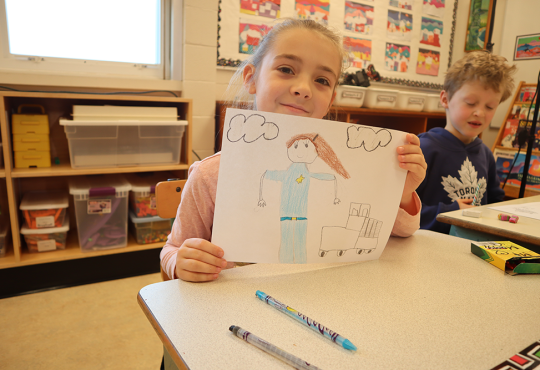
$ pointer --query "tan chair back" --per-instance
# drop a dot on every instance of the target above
(168, 196)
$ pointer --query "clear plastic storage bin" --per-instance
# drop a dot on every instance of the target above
(44, 209)
(410, 101)
(101, 210)
(150, 229)
(44, 240)
(142, 197)
(380, 98)
(123, 143)
(433, 103)
(350, 96)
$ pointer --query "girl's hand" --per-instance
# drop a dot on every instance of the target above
(411, 158)
(465, 203)
(262, 203)
(199, 260)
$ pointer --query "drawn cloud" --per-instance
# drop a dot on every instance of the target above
(251, 128)
(358, 136)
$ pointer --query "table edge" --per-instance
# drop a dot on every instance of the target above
(178, 360)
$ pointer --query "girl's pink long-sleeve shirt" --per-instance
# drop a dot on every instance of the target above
(195, 214)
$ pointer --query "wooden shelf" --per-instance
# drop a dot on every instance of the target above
(72, 251)
(67, 170)
(18, 181)
(388, 112)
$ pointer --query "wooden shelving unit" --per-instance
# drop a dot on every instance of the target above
(512, 191)
(14, 182)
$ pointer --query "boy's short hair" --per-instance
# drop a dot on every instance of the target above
(489, 69)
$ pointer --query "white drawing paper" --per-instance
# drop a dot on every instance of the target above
(303, 190)
(530, 210)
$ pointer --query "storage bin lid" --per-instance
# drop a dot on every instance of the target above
(140, 220)
(146, 183)
(25, 230)
(100, 185)
(113, 122)
(98, 112)
(44, 200)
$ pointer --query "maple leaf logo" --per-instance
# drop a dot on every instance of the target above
(465, 187)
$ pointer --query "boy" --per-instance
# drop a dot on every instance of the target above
(457, 159)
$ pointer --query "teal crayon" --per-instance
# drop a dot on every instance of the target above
(318, 327)
(476, 201)
(277, 352)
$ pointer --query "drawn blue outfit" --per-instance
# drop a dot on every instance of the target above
(294, 198)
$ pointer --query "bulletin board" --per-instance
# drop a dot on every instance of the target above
(409, 42)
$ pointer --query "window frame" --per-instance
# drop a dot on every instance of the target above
(89, 68)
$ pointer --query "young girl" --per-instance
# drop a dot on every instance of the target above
(295, 70)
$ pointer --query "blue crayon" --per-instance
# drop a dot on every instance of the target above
(321, 329)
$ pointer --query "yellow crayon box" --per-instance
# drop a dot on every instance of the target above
(509, 257)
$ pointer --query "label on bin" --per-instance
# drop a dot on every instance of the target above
(353, 95)
(46, 245)
(99, 206)
(45, 221)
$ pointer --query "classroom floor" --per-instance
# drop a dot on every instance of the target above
(95, 326)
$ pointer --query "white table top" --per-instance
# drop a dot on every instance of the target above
(427, 303)
(526, 229)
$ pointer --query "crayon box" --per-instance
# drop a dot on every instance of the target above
(509, 257)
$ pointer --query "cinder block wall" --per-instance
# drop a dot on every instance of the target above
(199, 70)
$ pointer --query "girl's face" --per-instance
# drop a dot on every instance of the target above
(302, 151)
(297, 76)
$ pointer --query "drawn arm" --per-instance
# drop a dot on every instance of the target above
(262, 203)
(328, 177)
(336, 199)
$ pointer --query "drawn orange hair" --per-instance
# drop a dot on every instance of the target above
(323, 150)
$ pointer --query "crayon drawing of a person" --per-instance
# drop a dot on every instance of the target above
(302, 150)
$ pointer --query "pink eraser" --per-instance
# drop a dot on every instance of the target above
(504, 217)
(514, 219)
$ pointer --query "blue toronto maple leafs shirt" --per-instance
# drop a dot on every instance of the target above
(453, 172)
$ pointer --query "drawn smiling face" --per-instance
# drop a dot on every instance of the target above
(302, 151)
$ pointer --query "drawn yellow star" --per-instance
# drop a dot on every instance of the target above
(300, 179)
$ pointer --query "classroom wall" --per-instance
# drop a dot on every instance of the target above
(514, 17)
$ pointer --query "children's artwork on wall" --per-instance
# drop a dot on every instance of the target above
(431, 31)
(358, 18)
(402, 4)
(428, 62)
(364, 19)
(250, 35)
(263, 8)
(397, 57)
(527, 47)
(399, 25)
(317, 10)
(360, 50)
(478, 24)
(434, 7)
(302, 190)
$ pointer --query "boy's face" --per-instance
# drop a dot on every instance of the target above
(297, 76)
(470, 110)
